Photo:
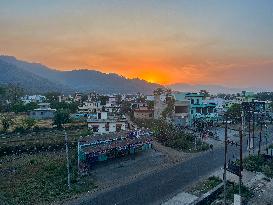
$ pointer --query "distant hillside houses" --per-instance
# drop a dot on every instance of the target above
(33, 98)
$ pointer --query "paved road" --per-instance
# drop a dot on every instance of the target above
(157, 187)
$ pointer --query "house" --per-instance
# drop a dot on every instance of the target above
(102, 123)
(33, 98)
(137, 105)
(150, 98)
(66, 99)
(43, 112)
(160, 104)
(112, 100)
(78, 97)
(90, 107)
(143, 113)
(181, 115)
(200, 108)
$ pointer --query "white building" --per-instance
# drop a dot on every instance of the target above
(90, 107)
(150, 97)
(43, 112)
(181, 115)
(103, 123)
(112, 100)
(33, 98)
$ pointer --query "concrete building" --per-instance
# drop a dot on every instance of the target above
(181, 116)
(66, 99)
(33, 98)
(78, 97)
(199, 108)
(43, 112)
(160, 105)
(150, 98)
(90, 107)
(102, 123)
(112, 100)
(143, 113)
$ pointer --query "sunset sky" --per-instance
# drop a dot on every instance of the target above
(165, 41)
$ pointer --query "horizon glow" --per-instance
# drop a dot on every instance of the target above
(197, 42)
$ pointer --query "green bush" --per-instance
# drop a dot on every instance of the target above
(259, 164)
(174, 137)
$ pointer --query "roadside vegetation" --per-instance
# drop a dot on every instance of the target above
(233, 188)
(259, 163)
(173, 137)
(205, 186)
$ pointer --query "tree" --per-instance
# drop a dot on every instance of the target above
(159, 91)
(205, 93)
(119, 99)
(263, 96)
(168, 111)
(150, 104)
(17, 107)
(61, 117)
(103, 99)
(14, 92)
(84, 97)
(21, 107)
(6, 123)
(125, 107)
(28, 123)
(271, 106)
(71, 107)
(52, 96)
(234, 113)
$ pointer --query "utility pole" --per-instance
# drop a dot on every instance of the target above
(225, 165)
(266, 136)
(260, 140)
(253, 129)
(78, 157)
(241, 152)
(67, 160)
(249, 134)
(241, 161)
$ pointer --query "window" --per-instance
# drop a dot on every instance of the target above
(95, 128)
(192, 101)
(107, 127)
(181, 109)
(118, 127)
(197, 101)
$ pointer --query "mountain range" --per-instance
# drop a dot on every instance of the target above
(37, 78)
(213, 89)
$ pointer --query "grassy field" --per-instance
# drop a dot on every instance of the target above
(33, 167)
(41, 141)
(40, 179)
